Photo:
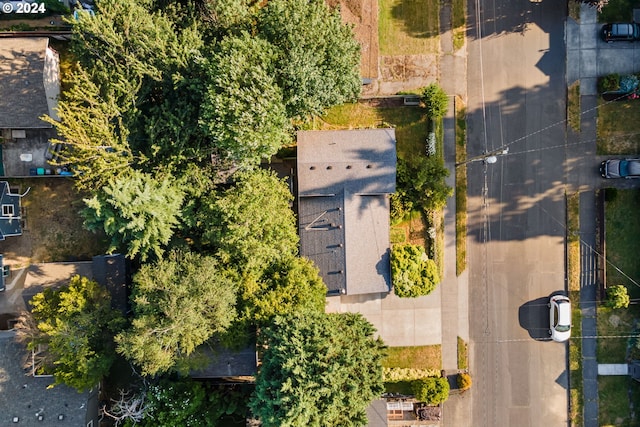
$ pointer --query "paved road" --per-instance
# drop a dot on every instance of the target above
(516, 89)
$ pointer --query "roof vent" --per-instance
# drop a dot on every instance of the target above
(369, 166)
(348, 166)
(312, 168)
(329, 167)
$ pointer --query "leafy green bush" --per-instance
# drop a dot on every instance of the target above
(420, 185)
(609, 83)
(464, 381)
(617, 297)
(435, 100)
(431, 390)
(414, 274)
(407, 374)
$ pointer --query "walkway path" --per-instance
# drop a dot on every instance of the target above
(454, 289)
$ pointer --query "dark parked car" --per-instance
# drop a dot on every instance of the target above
(619, 31)
(620, 168)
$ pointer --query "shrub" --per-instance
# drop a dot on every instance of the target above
(420, 185)
(464, 381)
(617, 297)
(609, 83)
(407, 374)
(401, 207)
(414, 274)
(431, 390)
(436, 101)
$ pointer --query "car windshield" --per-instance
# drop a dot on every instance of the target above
(624, 168)
(563, 328)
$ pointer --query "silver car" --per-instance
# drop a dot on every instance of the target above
(559, 318)
(620, 168)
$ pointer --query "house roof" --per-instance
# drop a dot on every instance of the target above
(52, 275)
(377, 413)
(225, 363)
(110, 271)
(357, 161)
(344, 179)
(26, 396)
(9, 212)
(29, 82)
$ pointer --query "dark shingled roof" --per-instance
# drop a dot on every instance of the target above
(110, 271)
(225, 363)
(29, 82)
(344, 179)
(25, 396)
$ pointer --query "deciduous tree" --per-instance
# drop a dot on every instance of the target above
(77, 324)
(318, 57)
(179, 302)
(318, 370)
(251, 224)
(243, 108)
(290, 286)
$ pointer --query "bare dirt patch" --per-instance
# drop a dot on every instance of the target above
(363, 15)
(52, 225)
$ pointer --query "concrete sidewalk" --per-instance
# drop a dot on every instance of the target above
(454, 289)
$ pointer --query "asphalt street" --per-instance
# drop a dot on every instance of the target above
(516, 99)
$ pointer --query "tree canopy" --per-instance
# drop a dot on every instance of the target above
(251, 224)
(291, 286)
(137, 211)
(181, 85)
(179, 303)
(318, 370)
(77, 324)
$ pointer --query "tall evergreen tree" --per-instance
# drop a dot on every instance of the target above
(318, 370)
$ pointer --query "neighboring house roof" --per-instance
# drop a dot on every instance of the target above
(52, 275)
(110, 271)
(29, 82)
(10, 216)
(344, 181)
(225, 363)
(26, 397)
(377, 413)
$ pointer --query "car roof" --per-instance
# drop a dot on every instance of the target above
(633, 167)
(564, 312)
(620, 29)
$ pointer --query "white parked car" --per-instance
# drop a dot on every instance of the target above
(559, 318)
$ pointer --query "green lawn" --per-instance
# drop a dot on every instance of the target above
(408, 27)
(623, 245)
(458, 23)
(618, 11)
(419, 357)
(613, 407)
(617, 127)
(621, 250)
(461, 188)
(575, 345)
(410, 123)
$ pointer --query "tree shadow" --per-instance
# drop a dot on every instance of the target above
(419, 20)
